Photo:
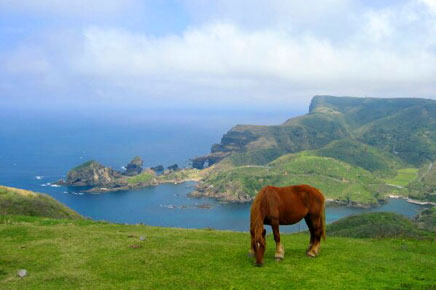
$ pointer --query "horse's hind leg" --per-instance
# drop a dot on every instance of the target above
(317, 232)
(280, 250)
(312, 234)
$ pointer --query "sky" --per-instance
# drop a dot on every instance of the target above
(222, 54)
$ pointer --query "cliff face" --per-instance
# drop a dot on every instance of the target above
(93, 173)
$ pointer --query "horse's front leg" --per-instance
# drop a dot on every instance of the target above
(251, 251)
(280, 250)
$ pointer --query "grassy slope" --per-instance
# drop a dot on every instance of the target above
(424, 187)
(403, 177)
(144, 177)
(362, 155)
(24, 202)
(65, 254)
(379, 225)
(337, 180)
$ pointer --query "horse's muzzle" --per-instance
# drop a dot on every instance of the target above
(259, 264)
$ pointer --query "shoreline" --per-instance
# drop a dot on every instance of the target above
(410, 200)
(199, 192)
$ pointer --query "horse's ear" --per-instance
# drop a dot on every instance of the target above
(264, 233)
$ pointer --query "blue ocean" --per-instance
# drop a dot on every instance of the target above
(39, 148)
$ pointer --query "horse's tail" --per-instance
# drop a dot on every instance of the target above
(323, 221)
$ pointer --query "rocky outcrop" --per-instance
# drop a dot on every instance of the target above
(134, 167)
(158, 168)
(173, 167)
(234, 140)
(208, 160)
(92, 173)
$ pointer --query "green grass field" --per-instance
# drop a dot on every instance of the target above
(404, 176)
(82, 254)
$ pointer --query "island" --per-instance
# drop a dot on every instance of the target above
(99, 178)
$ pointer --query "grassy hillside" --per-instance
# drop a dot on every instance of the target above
(362, 155)
(424, 185)
(403, 177)
(409, 133)
(377, 225)
(337, 180)
(23, 202)
(66, 254)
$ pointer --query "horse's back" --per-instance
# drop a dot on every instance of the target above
(303, 192)
(292, 203)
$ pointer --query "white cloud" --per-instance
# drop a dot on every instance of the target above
(431, 4)
(221, 52)
(385, 52)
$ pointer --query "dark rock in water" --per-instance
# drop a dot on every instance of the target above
(173, 167)
(134, 167)
(92, 173)
(158, 168)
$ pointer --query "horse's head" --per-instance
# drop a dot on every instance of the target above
(259, 243)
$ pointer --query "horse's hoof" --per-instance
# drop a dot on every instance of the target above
(310, 255)
(278, 259)
(259, 264)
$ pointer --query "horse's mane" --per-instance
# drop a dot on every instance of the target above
(257, 216)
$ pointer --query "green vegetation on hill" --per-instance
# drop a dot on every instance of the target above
(424, 185)
(362, 155)
(409, 133)
(66, 254)
(403, 177)
(23, 202)
(377, 225)
(84, 165)
(144, 177)
(255, 157)
(336, 179)
(427, 219)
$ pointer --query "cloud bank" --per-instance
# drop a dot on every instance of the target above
(281, 55)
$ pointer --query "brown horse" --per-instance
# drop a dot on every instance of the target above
(276, 206)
